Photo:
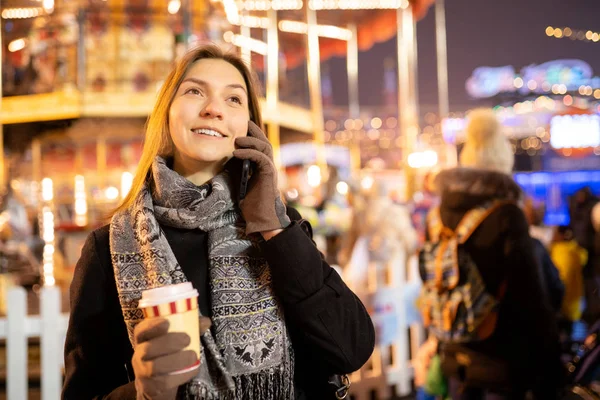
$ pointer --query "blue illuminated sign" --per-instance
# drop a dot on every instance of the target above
(559, 76)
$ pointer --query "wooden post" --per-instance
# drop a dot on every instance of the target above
(442, 73)
(273, 84)
(407, 89)
(314, 86)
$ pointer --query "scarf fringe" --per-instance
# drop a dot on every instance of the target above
(271, 384)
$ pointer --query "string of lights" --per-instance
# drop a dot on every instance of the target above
(573, 34)
(22, 13)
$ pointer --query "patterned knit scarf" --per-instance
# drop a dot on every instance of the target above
(247, 354)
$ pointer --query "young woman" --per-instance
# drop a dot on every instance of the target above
(282, 319)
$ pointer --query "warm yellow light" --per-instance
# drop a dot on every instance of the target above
(111, 193)
(597, 93)
(328, 31)
(48, 5)
(595, 37)
(422, 159)
(174, 6)
(518, 83)
(21, 13)
(314, 176)
(550, 31)
(376, 123)
(367, 182)
(16, 45)
(589, 35)
(231, 11)
(334, 32)
(568, 32)
(264, 5)
(252, 21)
(373, 134)
(47, 190)
(562, 88)
(254, 45)
(589, 90)
(126, 181)
(356, 4)
(293, 26)
(558, 33)
(342, 188)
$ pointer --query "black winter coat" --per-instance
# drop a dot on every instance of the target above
(526, 335)
(554, 287)
(330, 329)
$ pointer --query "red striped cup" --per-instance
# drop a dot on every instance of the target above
(178, 304)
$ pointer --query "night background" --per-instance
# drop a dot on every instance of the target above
(480, 33)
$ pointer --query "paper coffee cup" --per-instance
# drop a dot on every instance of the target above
(179, 305)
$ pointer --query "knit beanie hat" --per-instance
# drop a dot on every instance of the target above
(486, 147)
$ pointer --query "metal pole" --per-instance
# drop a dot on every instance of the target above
(408, 129)
(352, 60)
(81, 51)
(353, 100)
(245, 50)
(314, 86)
(36, 160)
(442, 74)
(187, 22)
(2, 172)
(407, 107)
(414, 70)
(273, 84)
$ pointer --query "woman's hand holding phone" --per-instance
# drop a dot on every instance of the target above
(262, 207)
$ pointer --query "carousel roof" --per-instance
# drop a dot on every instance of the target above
(373, 26)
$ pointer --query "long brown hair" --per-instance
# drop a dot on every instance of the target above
(158, 139)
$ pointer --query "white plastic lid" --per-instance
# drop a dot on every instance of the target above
(167, 294)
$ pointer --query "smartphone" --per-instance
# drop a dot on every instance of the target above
(245, 178)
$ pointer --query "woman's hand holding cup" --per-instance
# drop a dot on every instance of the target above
(167, 341)
(158, 356)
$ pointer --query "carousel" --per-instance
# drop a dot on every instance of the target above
(79, 79)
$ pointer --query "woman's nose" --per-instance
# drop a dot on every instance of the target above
(212, 110)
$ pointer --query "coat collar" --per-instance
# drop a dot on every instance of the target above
(468, 187)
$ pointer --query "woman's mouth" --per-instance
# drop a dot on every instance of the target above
(208, 132)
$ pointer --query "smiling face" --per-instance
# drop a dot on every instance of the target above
(209, 111)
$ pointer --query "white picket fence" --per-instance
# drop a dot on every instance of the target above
(389, 369)
(50, 326)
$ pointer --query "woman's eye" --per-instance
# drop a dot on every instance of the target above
(236, 99)
(193, 91)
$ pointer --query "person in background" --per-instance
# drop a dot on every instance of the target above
(524, 345)
(280, 320)
(535, 217)
(551, 280)
(582, 210)
(570, 259)
(542, 238)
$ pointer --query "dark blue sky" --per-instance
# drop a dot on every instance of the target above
(480, 33)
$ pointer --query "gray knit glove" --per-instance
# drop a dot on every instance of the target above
(262, 207)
